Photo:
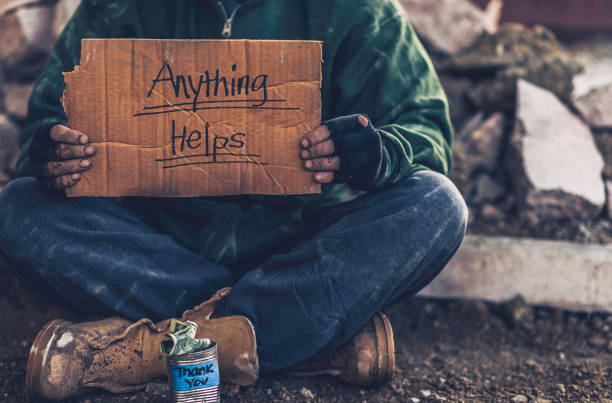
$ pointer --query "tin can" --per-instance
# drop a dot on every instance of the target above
(194, 377)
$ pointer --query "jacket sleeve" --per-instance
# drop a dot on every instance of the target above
(44, 107)
(381, 69)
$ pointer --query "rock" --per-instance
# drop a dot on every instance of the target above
(486, 189)
(155, 389)
(9, 151)
(561, 388)
(598, 341)
(609, 199)
(477, 147)
(520, 399)
(63, 11)
(514, 52)
(516, 312)
(16, 99)
(2, 104)
(603, 139)
(457, 91)
(485, 142)
(448, 26)
(492, 213)
(595, 54)
(307, 393)
(596, 107)
(513, 45)
(26, 41)
(36, 24)
(552, 158)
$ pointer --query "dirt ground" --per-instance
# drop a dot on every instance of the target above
(447, 351)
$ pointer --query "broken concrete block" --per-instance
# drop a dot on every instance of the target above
(595, 54)
(63, 11)
(477, 147)
(448, 26)
(485, 142)
(560, 274)
(596, 106)
(27, 38)
(514, 52)
(603, 139)
(552, 158)
(609, 199)
(457, 90)
(9, 149)
(2, 104)
(486, 189)
(492, 213)
(17, 97)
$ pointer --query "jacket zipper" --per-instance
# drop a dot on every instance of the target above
(227, 27)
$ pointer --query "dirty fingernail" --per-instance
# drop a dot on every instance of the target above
(305, 143)
(85, 163)
(89, 150)
(305, 154)
(76, 176)
(308, 164)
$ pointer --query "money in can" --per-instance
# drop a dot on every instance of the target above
(194, 377)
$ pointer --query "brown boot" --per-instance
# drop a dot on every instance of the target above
(115, 354)
(368, 359)
(67, 359)
(235, 337)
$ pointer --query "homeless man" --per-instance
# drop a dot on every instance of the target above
(308, 274)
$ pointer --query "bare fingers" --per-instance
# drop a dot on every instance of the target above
(322, 149)
(61, 168)
(328, 163)
(65, 151)
(58, 183)
(323, 177)
(316, 136)
(66, 135)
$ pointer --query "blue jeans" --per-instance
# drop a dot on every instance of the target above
(105, 255)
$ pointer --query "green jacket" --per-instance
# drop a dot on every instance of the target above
(373, 64)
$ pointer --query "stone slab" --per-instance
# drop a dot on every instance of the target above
(551, 273)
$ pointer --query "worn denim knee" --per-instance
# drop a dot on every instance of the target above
(444, 199)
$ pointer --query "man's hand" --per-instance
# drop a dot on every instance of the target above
(344, 150)
(59, 156)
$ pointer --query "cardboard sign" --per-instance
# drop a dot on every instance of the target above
(195, 117)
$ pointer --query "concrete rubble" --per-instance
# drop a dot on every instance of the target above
(497, 61)
(17, 96)
(596, 106)
(553, 161)
(595, 54)
(609, 196)
(487, 189)
(485, 142)
(27, 37)
(499, 268)
(9, 138)
(449, 26)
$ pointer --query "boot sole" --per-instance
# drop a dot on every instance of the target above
(38, 356)
(385, 349)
